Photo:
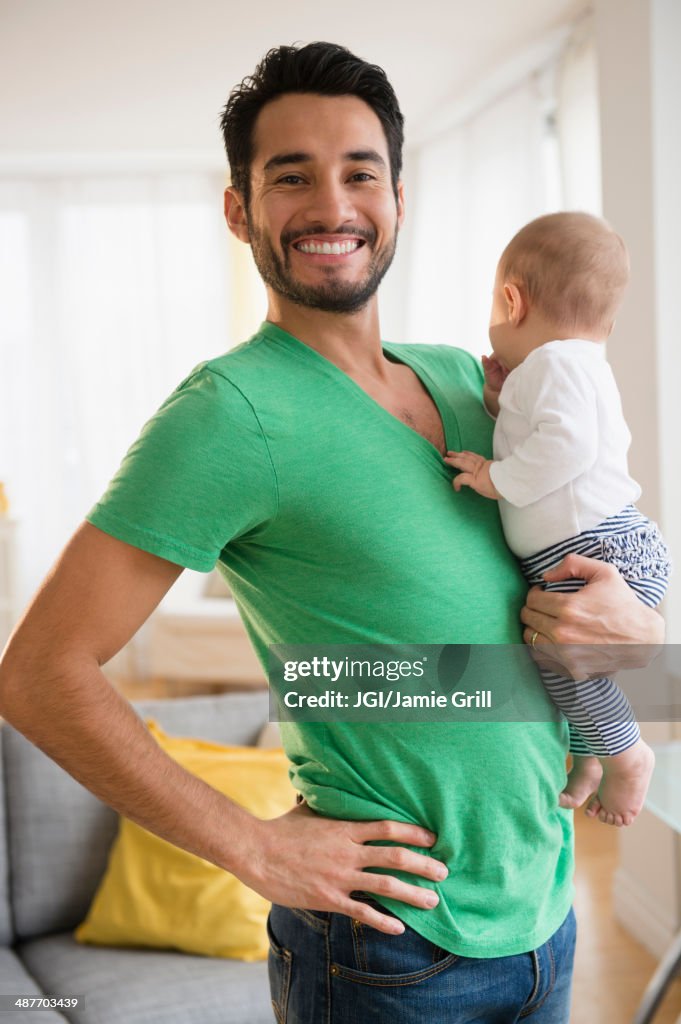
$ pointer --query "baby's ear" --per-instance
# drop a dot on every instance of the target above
(516, 303)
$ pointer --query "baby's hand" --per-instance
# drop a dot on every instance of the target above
(495, 373)
(474, 473)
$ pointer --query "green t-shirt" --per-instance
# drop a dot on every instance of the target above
(335, 523)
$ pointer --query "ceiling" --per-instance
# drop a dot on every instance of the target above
(151, 75)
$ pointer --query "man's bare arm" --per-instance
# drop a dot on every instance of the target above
(52, 689)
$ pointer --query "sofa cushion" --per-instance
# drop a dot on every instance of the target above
(157, 895)
(59, 838)
(60, 834)
(227, 718)
(6, 927)
(15, 980)
(147, 987)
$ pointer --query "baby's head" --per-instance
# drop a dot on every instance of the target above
(562, 276)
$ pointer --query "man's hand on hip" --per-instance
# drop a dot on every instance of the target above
(305, 860)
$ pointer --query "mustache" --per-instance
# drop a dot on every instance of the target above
(288, 237)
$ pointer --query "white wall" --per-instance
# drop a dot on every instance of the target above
(640, 82)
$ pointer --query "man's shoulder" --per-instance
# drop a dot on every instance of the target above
(451, 353)
(217, 393)
(456, 364)
(241, 359)
(248, 369)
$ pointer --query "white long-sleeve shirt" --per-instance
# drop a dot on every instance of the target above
(560, 446)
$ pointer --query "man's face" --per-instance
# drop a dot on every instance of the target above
(322, 218)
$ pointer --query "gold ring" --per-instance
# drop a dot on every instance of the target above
(534, 639)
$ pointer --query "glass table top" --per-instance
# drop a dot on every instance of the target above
(664, 795)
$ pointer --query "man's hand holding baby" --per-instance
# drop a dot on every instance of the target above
(474, 473)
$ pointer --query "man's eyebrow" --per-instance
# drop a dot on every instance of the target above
(300, 157)
(362, 156)
(281, 159)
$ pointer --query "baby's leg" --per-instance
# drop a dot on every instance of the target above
(609, 755)
(625, 782)
(584, 776)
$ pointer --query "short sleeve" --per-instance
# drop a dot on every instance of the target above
(198, 476)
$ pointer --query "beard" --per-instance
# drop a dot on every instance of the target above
(333, 296)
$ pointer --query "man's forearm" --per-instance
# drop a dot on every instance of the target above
(76, 717)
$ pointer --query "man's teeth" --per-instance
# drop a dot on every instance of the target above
(327, 248)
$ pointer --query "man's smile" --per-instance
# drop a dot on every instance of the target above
(328, 248)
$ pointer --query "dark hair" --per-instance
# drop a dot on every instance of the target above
(322, 68)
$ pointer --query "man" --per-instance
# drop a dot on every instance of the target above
(308, 463)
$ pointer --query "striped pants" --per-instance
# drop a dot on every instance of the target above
(601, 719)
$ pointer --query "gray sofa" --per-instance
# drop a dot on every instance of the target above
(54, 841)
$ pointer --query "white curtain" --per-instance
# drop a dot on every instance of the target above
(532, 150)
(111, 290)
(578, 121)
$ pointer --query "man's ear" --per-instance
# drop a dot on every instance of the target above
(400, 204)
(516, 304)
(235, 215)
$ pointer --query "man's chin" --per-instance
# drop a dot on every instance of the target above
(330, 300)
(328, 296)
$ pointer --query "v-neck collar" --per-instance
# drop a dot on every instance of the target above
(450, 425)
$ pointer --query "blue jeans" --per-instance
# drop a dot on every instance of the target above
(326, 968)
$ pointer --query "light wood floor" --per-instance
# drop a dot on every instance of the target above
(611, 969)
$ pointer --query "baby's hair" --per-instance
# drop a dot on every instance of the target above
(574, 269)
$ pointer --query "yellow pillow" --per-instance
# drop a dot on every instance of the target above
(154, 894)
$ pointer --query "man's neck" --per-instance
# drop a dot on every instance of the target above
(352, 341)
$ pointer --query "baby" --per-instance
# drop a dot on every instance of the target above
(560, 469)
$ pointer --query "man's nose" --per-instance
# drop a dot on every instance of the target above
(330, 204)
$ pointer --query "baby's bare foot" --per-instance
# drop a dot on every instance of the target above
(583, 780)
(626, 778)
